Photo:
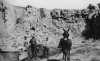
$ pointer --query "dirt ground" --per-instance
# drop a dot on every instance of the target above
(88, 51)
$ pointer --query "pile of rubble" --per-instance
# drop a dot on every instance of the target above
(19, 24)
(46, 25)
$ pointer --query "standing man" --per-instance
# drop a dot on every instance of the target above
(33, 44)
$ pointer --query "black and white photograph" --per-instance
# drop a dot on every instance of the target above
(49, 30)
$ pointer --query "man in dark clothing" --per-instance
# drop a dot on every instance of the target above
(32, 46)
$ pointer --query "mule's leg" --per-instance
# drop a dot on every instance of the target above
(68, 55)
(63, 56)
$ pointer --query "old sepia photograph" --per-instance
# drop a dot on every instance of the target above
(49, 30)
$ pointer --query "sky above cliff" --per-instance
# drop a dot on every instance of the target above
(50, 4)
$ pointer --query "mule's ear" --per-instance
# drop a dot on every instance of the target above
(64, 30)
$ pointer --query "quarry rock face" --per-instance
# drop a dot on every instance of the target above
(18, 25)
(46, 25)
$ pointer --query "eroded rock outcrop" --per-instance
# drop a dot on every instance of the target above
(22, 23)
(45, 25)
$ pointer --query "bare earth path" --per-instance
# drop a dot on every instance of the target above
(82, 52)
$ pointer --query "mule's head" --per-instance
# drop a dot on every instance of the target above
(66, 34)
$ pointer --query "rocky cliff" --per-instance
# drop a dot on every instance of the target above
(21, 23)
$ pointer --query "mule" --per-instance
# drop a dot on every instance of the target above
(65, 44)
